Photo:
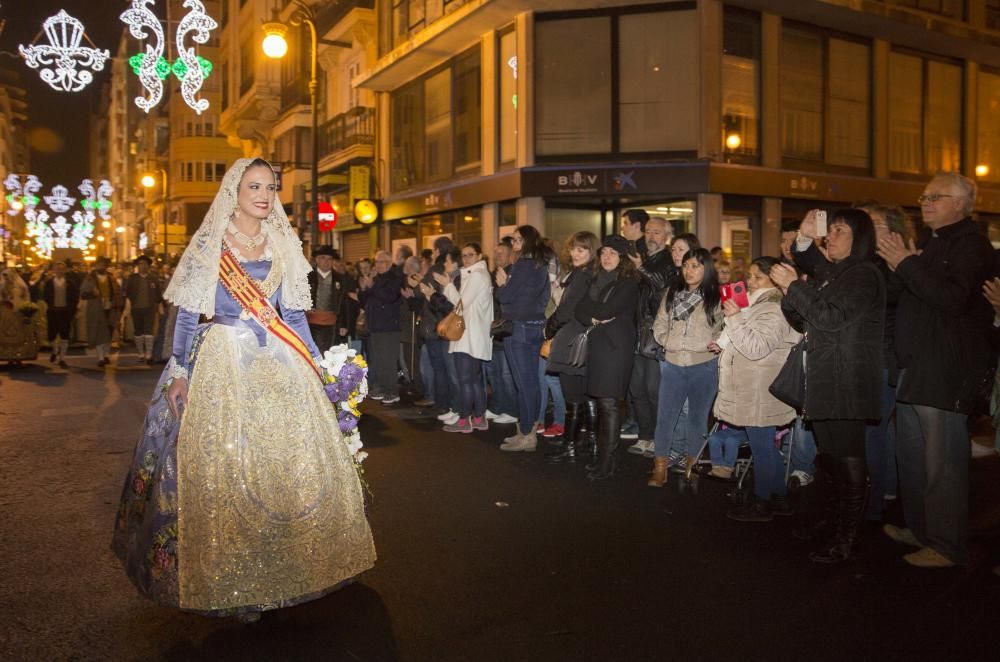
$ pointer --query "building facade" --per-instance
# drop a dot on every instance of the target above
(266, 109)
(14, 158)
(724, 117)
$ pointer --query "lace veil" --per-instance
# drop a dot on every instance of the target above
(195, 280)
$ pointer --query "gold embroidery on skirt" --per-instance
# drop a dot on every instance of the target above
(270, 505)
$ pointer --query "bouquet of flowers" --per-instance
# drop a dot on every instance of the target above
(345, 376)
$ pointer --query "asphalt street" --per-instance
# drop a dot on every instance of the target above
(482, 556)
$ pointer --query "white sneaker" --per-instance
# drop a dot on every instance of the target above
(490, 416)
(638, 448)
(505, 418)
(391, 400)
(451, 420)
(804, 477)
(445, 416)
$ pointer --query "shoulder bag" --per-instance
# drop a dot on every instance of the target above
(790, 384)
(452, 326)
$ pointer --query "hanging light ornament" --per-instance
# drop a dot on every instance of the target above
(104, 192)
(152, 68)
(58, 60)
(83, 230)
(139, 18)
(59, 201)
(21, 197)
(61, 229)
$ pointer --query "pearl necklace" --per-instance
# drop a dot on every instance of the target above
(250, 242)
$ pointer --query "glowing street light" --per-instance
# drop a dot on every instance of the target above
(148, 181)
(275, 45)
(982, 170)
(733, 141)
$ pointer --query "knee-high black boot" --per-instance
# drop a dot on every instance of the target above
(827, 489)
(566, 451)
(591, 437)
(609, 424)
(853, 494)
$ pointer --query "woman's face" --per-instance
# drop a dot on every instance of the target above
(364, 268)
(758, 280)
(579, 255)
(881, 226)
(839, 241)
(517, 240)
(694, 273)
(449, 264)
(725, 274)
(610, 259)
(470, 256)
(678, 250)
(255, 198)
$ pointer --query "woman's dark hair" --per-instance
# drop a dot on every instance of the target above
(532, 245)
(863, 231)
(584, 239)
(709, 284)
(259, 162)
(454, 253)
(764, 263)
(690, 239)
(474, 246)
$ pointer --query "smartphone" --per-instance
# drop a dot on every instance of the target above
(821, 227)
(735, 292)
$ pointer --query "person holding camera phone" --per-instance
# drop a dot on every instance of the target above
(755, 343)
(841, 309)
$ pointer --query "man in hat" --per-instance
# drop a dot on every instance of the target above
(328, 289)
(143, 291)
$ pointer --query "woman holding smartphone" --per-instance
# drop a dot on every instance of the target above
(755, 342)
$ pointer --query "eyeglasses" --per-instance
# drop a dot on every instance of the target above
(933, 197)
(468, 255)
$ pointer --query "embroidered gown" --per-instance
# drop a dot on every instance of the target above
(251, 501)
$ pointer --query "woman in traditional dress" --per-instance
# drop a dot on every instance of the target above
(243, 495)
(17, 327)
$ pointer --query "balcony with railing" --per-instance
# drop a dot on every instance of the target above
(340, 135)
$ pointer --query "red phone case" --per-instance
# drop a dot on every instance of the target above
(737, 292)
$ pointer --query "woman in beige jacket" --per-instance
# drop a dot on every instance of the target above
(755, 342)
(687, 325)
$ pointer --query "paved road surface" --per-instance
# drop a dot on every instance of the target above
(482, 556)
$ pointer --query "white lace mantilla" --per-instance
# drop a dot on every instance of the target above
(194, 282)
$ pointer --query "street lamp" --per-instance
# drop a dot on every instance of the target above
(275, 46)
(149, 181)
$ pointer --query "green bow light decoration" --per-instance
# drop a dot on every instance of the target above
(164, 68)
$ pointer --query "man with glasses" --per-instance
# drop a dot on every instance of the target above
(946, 364)
(381, 296)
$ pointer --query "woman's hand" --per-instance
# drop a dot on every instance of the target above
(729, 308)
(807, 228)
(714, 346)
(783, 275)
(501, 277)
(177, 395)
(441, 279)
(426, 290)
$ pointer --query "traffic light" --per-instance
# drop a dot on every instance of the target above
(367, 211)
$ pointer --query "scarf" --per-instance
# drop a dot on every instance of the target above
(685, 301)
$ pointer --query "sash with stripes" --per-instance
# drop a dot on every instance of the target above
(242, 287)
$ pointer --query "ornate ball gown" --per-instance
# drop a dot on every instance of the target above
(251, 500)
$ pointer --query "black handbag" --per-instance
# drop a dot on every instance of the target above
(647, 346)
(578, 348)
(501, 328)
(790, 384)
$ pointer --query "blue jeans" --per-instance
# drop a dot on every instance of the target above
(550, 383)
(768, 467)
(522, 347)
(426, 371)
(437, 350)
(504, 396)
(697, 384)
(880, 453)
(803, 448)
(724, 446)
(471, 391)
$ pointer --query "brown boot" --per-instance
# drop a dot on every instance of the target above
(659, 476)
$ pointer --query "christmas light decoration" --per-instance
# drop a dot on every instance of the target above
(152, 68)
(104, 191)
(58, 60)
(139, 18)
(192, 78)
(59, 201)
(61, 229)
(83, 230)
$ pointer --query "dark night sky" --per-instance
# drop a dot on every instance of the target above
(65, 113)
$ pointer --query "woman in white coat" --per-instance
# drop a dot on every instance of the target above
(475, 295)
